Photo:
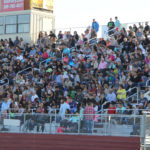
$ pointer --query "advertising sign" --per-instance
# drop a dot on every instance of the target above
(45, 4)
(11, 5)
(48, 4)
(37, 3)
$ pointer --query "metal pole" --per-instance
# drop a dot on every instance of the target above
(24, 117)
(50, 124)
(137, 95)
(109, 125)
(79, 126)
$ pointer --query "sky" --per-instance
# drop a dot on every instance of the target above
(80, 13)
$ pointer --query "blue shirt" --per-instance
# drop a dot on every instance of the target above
(73, 106)
(5, 105)
(66, 51)
(32, 52)
(111, 97)
(95, 26)
(121, 110)
(117, 23)
(58, 79)
(76, 65)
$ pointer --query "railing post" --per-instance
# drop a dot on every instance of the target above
(109, 123)
(143, 129)
(24, 119)
(137, 95)
(50, 123)
(79, 126)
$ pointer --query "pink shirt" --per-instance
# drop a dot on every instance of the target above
(147, 61)
(66, 59)
(102, 65)
(111, 57)
(59, 130)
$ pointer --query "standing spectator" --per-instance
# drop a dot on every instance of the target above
(139, 34)
(110, 26)
(141, 26)
(72, 105)
(64, 106)
(135, 28)
(16, 42)
(95, 25)
(76, 36)
(147, 28)
(60, 35)
(89, 116)
(117, 23)
(5, 105)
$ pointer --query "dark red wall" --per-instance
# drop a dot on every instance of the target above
(66, 142)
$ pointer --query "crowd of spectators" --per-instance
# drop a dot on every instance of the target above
(66, 71)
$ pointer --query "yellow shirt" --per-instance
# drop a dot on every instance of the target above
(122, 94)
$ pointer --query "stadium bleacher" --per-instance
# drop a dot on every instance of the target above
(61, 73)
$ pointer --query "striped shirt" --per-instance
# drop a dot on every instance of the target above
(88, 111)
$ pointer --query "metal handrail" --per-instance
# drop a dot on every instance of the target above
(146, 110)
(18, 109)
(50, 121)
(23, 71)
(147, 83)
(5, 83)
(40, 64)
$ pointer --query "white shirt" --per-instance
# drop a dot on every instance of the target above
(147, 95)
(76, 79)
(19, 57)
(143, 50)
(5, 105)
(63, 109)
(33, 97)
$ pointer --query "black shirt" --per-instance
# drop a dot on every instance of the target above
(111, 25)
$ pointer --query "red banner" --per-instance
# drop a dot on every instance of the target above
(11, 5)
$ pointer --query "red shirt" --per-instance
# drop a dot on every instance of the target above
(111, 110)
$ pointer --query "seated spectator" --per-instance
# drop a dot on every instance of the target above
(143, 101)
(111, 96)
(34, 96)
(73, 122)
(120, 109)
(102, 65)
(121, 93)
(129, 109)
(111, 109)
(45, 55)
(147, 95)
